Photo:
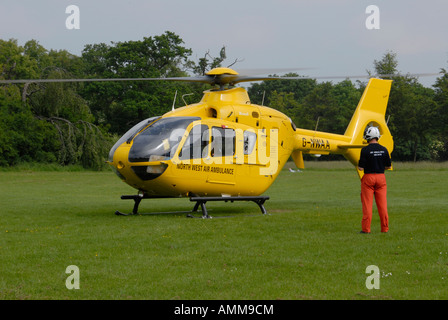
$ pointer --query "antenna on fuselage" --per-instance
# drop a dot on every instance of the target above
(317, 123)
(174, 101)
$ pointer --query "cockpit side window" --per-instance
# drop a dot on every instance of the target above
(249, 141)
(130, 134)
(196, 144)
(159, 140)
(223, 142)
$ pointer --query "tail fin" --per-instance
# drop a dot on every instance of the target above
(370, 111)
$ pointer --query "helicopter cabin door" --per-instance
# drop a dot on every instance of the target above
(190, 164)
(206, 160)
(220, 164)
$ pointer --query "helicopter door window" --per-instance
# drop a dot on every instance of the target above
(249, 141)
(196, 144)
(223, 142)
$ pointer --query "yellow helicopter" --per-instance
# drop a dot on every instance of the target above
(224, 148)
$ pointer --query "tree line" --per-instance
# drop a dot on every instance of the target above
(417, 116)
(78, 122)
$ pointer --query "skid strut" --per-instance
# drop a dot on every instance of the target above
(137, 199)
(200, 201)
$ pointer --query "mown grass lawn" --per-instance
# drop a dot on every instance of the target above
(308, 247)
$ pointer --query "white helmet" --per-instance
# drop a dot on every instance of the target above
(372, 133)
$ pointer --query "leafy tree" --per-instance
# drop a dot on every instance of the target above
(73, 122)
(412, 112)
(123, 103)
(386, 66)
(318, 107)
(264, 90)
(207, 62)
(441, 98)
(46, 121)
(22, 136)
(14, 64)
(346, 95)
(330, 107)
(285, 102)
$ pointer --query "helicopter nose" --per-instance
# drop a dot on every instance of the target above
(110, 159)
(120, 165)
(116, 156)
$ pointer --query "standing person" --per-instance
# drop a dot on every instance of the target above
(374, 160)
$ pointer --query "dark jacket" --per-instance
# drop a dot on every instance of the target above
(374, 158)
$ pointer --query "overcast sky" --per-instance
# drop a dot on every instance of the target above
(329, 35)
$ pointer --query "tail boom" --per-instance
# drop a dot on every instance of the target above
(370, 111)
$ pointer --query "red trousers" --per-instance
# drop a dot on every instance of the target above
(374, 185)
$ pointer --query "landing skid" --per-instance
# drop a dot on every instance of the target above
(137, 199)
(200, 201)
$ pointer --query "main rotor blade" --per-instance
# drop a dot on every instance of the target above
(252, 72)
(218, 79)
(192, 79)
(253, 79)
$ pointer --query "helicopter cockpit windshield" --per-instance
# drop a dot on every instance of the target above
(129, 135)
(160, 140)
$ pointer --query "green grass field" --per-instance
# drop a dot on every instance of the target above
(308, 247)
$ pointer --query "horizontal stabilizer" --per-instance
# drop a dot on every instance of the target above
(351, 146)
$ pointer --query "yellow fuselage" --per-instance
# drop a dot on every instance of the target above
(263, 140)
(232, 174)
